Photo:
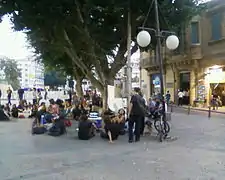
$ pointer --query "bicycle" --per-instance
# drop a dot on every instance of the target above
(161, 125)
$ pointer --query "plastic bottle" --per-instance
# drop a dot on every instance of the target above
(42, 119)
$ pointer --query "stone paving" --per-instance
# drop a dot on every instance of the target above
(197, 154)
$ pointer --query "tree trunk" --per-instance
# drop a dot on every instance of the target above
(78, 86)
(105, 97)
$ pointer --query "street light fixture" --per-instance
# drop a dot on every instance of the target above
(172, 42)
(144, 39)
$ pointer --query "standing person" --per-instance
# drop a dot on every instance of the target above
(39, 96)
(180, 98)
(75, 100)
(223, 97)
(9, 95)
(136, 111)
(143, 103)
(34, 96)
(70, 95)
(20, 94)
(46, 94)
(168, 96)
(0, 96)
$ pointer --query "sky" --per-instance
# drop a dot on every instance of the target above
(13, 44)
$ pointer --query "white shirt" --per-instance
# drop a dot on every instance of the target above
(180, 94)
(34, 95)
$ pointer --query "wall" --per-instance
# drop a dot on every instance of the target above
(170, 82)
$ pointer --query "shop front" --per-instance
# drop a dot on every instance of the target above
(155, 84)
(215, 83)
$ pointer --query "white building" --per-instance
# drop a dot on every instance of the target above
(32, 73)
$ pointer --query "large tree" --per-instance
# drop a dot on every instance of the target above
(54, 79)
(87, 32)
(11, 71)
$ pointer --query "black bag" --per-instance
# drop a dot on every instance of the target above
(57, 129)
(38, 130)
(142, 107)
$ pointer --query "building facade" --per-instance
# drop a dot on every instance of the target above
(32, 73)
(200, 70)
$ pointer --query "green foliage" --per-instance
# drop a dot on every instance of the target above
(11, 71)
(77, 36)
(54, 79)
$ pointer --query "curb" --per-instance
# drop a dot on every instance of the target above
(197, 109)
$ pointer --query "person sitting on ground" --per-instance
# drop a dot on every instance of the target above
(53, 108)
(7, 109)
(112, 129)
(86, 128)
(3, 115)
(41, 111)
(121, 116)
(30, 105)
(34, 110)
(14, 111)
(78, 111)
(20, 107)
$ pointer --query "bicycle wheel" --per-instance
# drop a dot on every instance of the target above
(158, 127)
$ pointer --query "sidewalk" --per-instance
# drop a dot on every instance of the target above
(221, 110)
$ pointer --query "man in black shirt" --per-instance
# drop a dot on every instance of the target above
(86, 129)
(136, 112)
(142, 124)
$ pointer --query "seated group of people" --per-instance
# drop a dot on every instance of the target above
(113, 126)
(15, 110)
(52, 118)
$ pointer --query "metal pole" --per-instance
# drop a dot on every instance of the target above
(140, 77)
(209, 114)
(129, 69)
(158, 55)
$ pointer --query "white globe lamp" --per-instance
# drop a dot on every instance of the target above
(143, 38)
(172, 42)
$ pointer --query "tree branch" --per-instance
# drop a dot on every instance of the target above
(120, 60)
(79, 63)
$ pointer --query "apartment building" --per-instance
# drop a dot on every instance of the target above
(32, 73)
(200, 70)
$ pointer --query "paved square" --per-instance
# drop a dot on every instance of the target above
(197, 154)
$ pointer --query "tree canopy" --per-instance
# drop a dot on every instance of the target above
(54, 79)
(83, 34)
(11, 71)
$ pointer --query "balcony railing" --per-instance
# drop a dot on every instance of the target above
(147, 62)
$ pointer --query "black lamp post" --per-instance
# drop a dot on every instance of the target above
(172, 42)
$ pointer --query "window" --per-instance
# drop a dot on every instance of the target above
(216, 26)
(195, 33)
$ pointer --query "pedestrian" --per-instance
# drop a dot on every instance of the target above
(135, 114)
(39, 96)
(168, 96)
(70, 95)
(9, 96)
(0, 96)
(143, 103)
(34, 96)
(46, 94)
(20, 94)
(180, 98)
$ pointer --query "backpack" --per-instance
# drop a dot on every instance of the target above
(57, 129)
(38, 130)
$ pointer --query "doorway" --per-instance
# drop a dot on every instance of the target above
(185, 86)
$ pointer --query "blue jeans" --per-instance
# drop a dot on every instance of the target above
(137, 120)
